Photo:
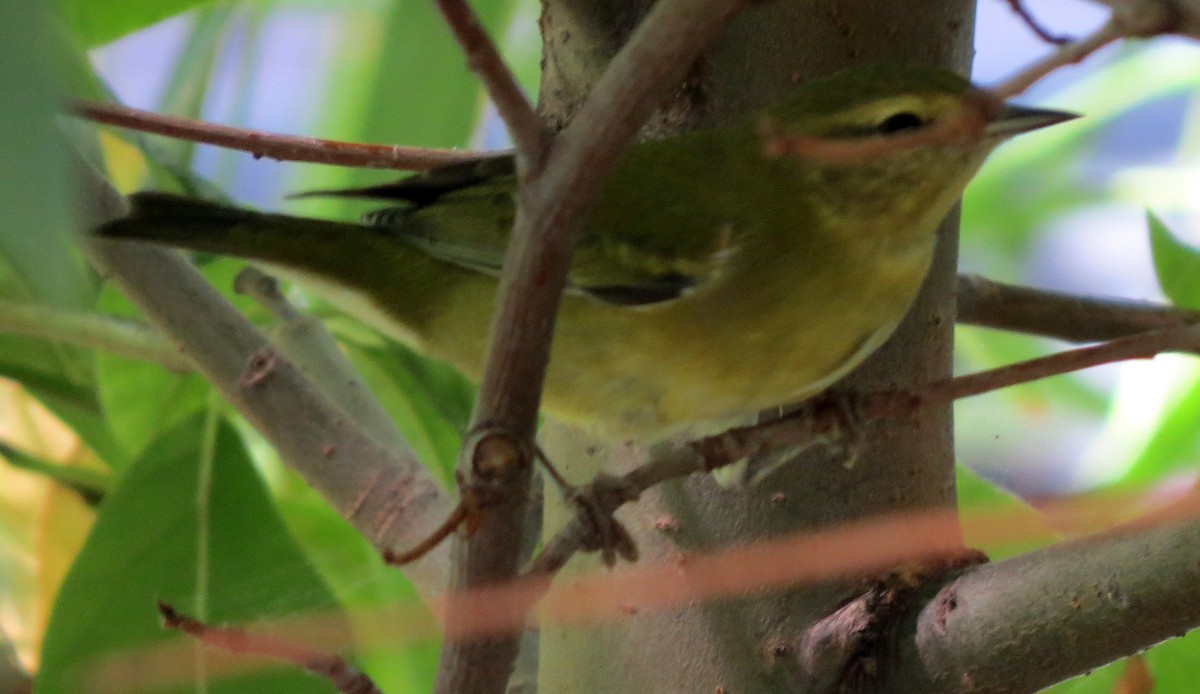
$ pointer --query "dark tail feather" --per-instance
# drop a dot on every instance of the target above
(150, 206)
(173, 219)
(349, 256)
(183, 222)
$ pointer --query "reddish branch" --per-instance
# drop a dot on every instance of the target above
(272, 145)
(823, 418)
(523, 122)
(1018, 7)
(239, 641)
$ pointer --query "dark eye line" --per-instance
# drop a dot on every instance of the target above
(897, 122)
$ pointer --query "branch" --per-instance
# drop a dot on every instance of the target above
(308, 343)
(523, 123)
(824, 419)
(272, 145)
(1017, 7)
(1068, 608)
(1129, 19)
(1180, 16)
(110, 333)
(388, 497)
(329, 666)
(1067, 54)
(551, 204)
(990, 304)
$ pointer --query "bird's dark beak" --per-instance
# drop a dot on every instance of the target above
(1014, 120)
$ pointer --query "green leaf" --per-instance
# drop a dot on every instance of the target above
(35, 195)
(1173, 663)
(404, 80)
(1172, 446)
(428, 401)
(140, 399)
(100, 21)
(1176, 264)
(1100, 681)
(189, 524)
(33, 363)
(62, 379)
(364, 585)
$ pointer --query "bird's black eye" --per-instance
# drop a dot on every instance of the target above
(905, 120)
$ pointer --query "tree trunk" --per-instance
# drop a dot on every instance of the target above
(750, 643)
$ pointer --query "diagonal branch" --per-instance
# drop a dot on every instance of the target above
(386, 494)
(1034, 26)
(551, 204)
(1129, 19)
(523, 122)
(272, 145)
(1066, 54)
(329, 666)
(1118, 593)
(823, 418)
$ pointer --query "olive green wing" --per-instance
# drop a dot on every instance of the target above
(640, 247)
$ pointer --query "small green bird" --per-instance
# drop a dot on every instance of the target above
(718, 275)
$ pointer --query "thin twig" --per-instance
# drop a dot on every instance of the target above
(273, 145)
(329, 666)
(456, 518)
(1019, 7)
(1144, 346)
(523, 123)
(812, 423)
(1065, 55)
(1147, 18)
(991, 304)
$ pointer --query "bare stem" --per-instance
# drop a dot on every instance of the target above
(1067, 54)
(272, 145)
(991, 304)
(1019, 8)
(329, 666)
(523, 122)
(1129, 19)
(823, 418)
(1144, 346)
